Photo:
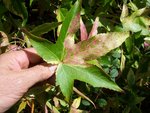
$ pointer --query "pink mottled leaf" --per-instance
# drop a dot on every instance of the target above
(75, 24)
(94, 28)
(69, 42)
(83, 31)
(94, 47)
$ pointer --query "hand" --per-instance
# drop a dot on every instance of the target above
(16, 77)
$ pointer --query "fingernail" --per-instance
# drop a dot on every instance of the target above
(53, 68)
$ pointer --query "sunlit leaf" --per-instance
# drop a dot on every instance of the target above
(94, 47)
(66, 74)
(67, 23)
(31, 1)
(135, 22)
(51, 107)
(44, 48)
(83, 96)
(133, 6)
(122, 63)
(22, 106)
(124, 12)
(61, 13)
(75, 105)
(76, 102)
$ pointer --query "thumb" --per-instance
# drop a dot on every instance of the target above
(20, 82)
(36, 74)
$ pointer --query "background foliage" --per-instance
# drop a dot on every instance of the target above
(128, 65)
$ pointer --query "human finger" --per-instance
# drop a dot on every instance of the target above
(31, 76)
(16, 60)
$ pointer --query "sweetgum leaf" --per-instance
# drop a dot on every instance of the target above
(75, 24)
(66, 25)
(53, 53)
(83, 31)
(66, 74)
(47, 50)
(94, 47)
(68, 21)
(93, 32)
(94, 28)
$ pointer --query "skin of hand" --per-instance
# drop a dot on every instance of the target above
(17, 75)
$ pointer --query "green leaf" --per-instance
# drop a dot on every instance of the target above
(136, 22)
(67, 23)
(105, 61)
(31, 1)
(18, 8)
(86, 103)
(102, 102)
(133, 6)
(44, 48)
(53, 53)
(129, 44)
(61, 13)
(66, 74)
(114, 73)
(131, 78)
(68, 19)
(94, 47)
(44, 28)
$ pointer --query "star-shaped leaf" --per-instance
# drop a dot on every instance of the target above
(92, 48)
(66, 74)
(72, 57)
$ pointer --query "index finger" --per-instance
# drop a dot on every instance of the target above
(21, 59)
